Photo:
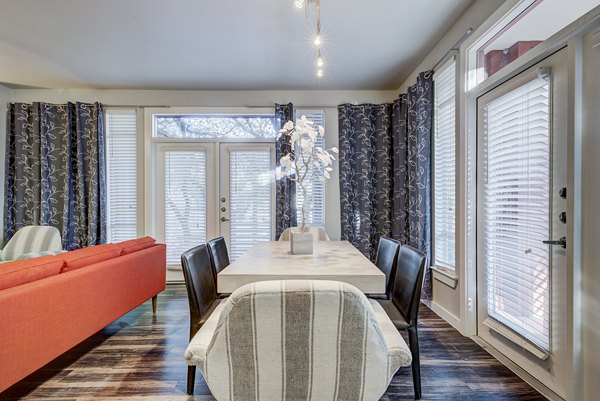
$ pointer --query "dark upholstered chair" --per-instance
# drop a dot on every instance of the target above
(403, 308)
(387, 256)
(217, 249)
(202, 294)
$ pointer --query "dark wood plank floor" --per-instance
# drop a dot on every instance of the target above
(140, 357)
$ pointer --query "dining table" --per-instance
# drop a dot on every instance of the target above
(330, 260)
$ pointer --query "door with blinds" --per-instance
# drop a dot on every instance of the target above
(246, 200)
(522, 221)
(185, 197)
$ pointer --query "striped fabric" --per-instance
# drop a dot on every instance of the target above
(298, 340)
(32, 239)
(318, 233)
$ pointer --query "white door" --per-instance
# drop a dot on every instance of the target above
(522, 170)
(247, 194)
(185, 198)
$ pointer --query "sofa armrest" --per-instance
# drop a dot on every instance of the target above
(195, 354)
(398, 352)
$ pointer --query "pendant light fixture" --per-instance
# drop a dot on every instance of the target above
(318, 40)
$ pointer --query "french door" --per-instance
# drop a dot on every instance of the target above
(522, 220)
(206, 190)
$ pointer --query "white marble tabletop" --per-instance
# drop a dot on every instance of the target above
(331, 260)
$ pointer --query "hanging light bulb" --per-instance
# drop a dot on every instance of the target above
(299, 3)
(319, 73)
(317, 40)
(320, 62)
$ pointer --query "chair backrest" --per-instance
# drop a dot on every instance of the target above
(408, 282)
(297, 339)
(386, 259)
(319, 234)
(217, 249)
(199, 282)
(31, 239)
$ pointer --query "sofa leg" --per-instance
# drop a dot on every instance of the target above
(191, 379)
(413, 339)
(154, 302)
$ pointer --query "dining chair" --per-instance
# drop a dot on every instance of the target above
(319, 234)
(202, 294)
(289, 339)
(387, 256)
(219, 257)
(403, 308)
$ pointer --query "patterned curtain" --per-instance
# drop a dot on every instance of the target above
(385, 171)
(285, 188)
(55, 171)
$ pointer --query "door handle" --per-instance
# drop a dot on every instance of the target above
(224, 219)
(562, 241)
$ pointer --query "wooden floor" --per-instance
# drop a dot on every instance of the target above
(140, 357)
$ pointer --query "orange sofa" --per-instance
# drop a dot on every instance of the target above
(51, 303)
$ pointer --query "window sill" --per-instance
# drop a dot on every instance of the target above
(445, 276)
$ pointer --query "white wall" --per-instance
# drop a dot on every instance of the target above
(4, 99)
(327, 100)
(590, 217)
(447, 301)
(472, 18)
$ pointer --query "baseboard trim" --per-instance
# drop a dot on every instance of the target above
(444, 314)
(516, 369)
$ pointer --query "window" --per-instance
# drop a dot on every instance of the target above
(121, 134)
(315, 216)
(444, 179)
(515, 206)
(185, 201)
(251, 210)
(198, 126)
(524, 27)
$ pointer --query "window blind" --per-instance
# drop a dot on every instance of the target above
(516, 210)
(315, 209)
(444, 190)
(250, 193)
(185, 202)
(121, 134)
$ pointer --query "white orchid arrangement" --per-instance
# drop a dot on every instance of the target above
(305, 160)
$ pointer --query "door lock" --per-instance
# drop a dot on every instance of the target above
(562, 241)
(562, 217)
(224, 219)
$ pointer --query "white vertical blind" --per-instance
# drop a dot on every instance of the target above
(121, 134)
(516, 210)
(444, 190)
(315, 208)
(185, 202)
(250, 193)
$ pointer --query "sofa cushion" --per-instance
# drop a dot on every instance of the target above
(134, 245)
(88, 256)
(25, 271)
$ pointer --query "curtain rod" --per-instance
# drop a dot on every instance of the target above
(123, 106)
(455, 47)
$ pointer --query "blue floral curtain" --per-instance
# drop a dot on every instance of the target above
(385, 171)
(55, 171)
(285, 188)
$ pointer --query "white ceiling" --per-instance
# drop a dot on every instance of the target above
(216, 45)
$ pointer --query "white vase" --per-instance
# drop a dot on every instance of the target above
(301, 243)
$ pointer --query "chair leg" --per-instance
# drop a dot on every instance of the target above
(191, 379)
(413, 339)
(154, 303)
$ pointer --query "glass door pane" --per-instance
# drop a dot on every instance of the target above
(247, 179)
